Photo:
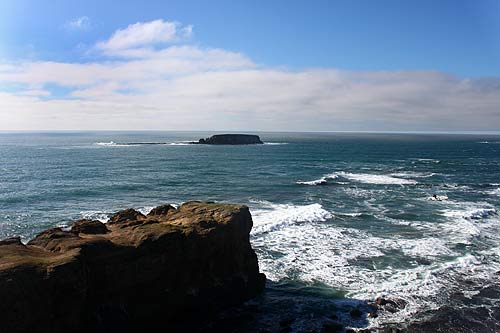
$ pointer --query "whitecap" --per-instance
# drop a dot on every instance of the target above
(413, 174)
(437, 198)
(321, 181)
(110, 143)
(271, 216)
(376, 179)
(145, 210)
(275, 143)
(114, 144)
(98, 215)
(471, 213)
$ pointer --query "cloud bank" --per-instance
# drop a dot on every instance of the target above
(151, 77)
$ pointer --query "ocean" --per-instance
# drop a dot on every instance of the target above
(339, 218)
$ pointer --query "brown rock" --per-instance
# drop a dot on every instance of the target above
(143, 273)
(93, 227)
(128, 216)
(161, 210)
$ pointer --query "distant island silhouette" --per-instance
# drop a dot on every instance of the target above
(230, 139)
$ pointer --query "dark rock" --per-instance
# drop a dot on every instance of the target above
(381, 301)
(230, 139)
(165, 271)
(161, 210)
(11, 241)
(334, 317)
(92, 227)
(372, 314)
(331, 327)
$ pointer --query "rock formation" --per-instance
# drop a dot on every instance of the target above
(132, 274)
(230, 139)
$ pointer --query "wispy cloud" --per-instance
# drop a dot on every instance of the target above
(189, 87)
(145, 34)
(79, 23)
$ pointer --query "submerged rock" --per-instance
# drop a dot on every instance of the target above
(230, 139)
(135, 274)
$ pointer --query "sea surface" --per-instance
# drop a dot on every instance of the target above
(339, 218)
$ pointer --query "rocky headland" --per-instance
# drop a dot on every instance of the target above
(136, 272)
(230, 139)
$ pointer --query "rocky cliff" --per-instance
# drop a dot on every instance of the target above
(132, 274)
(231, 139)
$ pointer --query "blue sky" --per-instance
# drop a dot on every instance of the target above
(460, 37)
(354, 65)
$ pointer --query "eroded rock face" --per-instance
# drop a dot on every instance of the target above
(130, 275)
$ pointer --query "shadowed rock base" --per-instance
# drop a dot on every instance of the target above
(133, 274)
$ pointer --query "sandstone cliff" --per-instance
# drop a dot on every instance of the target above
(134, 273)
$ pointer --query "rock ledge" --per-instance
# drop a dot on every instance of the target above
(133, 274)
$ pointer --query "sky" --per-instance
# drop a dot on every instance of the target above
(386, 65)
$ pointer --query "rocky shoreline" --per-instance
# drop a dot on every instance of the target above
(132, 274)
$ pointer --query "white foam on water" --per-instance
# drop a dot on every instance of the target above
(413, 174)
(317, 252)
(114, 144)
(470, 213)
(145, 210)
(274, 216)
(376, 179)
(437, 198)
(98, 215)
(494, 192)
(275, 143)
(320, 181)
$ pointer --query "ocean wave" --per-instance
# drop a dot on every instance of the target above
(354, 261)
(474, 213)
(376, 179)
(98, 215)
(271, 216)
(366, 178)
(321, 181)
(489, 142)
(437, 198)
(494, 192)
(424, 160)
(413, 174)
(115, 144)
(275, 143)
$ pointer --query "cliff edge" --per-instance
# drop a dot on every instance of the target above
(133, 273)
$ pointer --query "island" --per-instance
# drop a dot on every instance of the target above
(230, 139)
(170, 268)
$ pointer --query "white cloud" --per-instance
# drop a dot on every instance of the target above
(146, 33)
(80, 23)
(193, 88)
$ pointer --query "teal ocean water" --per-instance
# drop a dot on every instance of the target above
(339, 219)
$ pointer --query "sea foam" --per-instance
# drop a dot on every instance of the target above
(376, 179)
(275, 216)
